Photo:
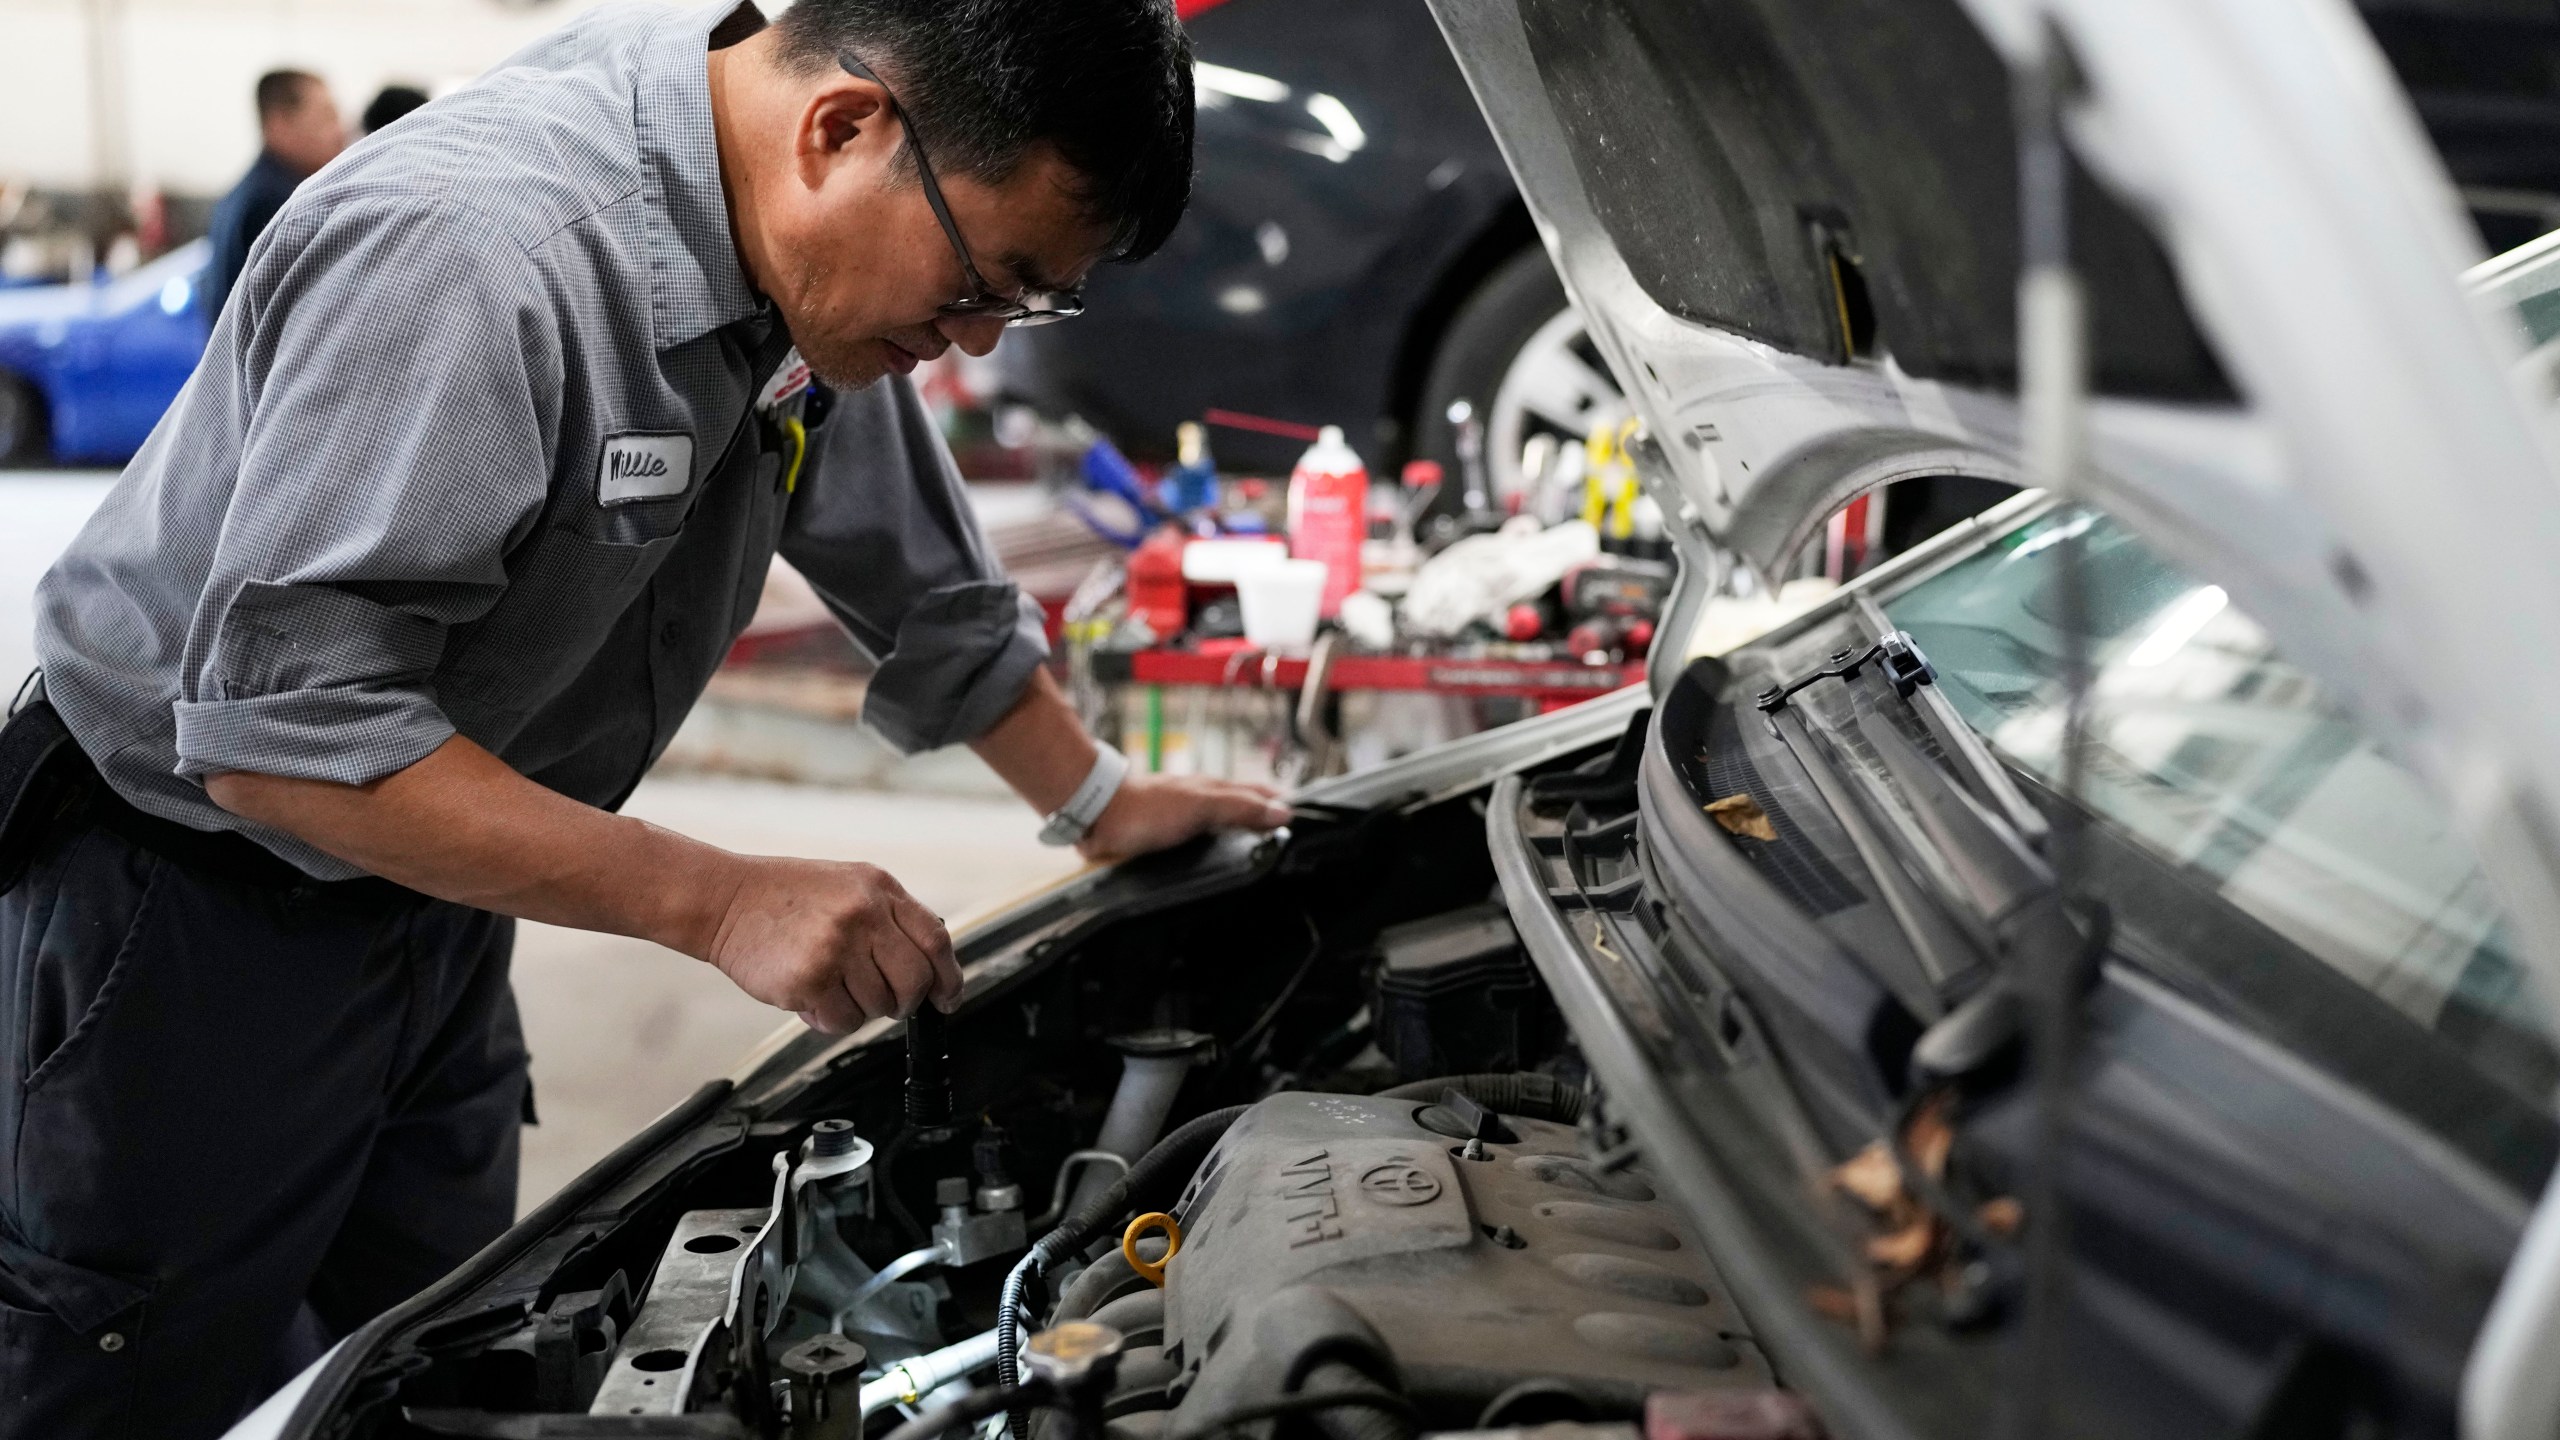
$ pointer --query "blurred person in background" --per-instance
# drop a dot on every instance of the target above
(394, 102)
(299, 130)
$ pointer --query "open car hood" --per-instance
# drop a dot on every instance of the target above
(1791, 226)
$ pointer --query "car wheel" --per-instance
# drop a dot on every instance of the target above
(1517, 353)
(22, 423)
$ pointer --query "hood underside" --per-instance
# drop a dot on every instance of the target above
(1838, 179)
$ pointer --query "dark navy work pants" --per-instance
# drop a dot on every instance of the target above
(227, 1110)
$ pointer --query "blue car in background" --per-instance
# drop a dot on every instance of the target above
(86, 370)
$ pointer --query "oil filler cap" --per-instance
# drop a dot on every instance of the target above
(1070, 1355)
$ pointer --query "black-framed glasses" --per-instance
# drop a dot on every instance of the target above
(984, 302)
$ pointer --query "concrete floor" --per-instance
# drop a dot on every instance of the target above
(621, 1029)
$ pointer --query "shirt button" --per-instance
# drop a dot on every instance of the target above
(111, 1342)
(669, 632)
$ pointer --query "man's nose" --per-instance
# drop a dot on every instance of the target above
(974, 334)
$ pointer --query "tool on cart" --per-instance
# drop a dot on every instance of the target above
(1477, 496)
(1190, 490)
(1609, 490)
(1106, 471)
(1158, 593)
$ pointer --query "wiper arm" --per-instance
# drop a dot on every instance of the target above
(1944, 953)
(1987, 778)
(1997, 865)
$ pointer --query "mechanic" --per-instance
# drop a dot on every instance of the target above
(299, 130)
(477, 482)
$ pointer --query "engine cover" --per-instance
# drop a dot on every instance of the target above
(1475, 1275)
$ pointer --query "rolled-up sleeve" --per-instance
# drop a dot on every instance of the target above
(405, 369)
(882, 528)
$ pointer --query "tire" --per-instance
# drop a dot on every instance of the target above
(1516, 351)
(22, 423)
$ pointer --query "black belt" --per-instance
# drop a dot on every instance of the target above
(48, 783)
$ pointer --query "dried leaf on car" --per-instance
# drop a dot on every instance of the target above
(1741, 815)
(1931, 1136)
(1910, 1241)
(2001, 1215)
(1871, 1178)
(1907, 1249)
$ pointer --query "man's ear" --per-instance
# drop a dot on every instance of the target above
(846, 122)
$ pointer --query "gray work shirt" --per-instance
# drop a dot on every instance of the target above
(474, 449)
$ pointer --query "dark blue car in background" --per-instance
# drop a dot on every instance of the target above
(86, 370)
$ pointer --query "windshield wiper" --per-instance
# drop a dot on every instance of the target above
(1985, 775)
(1985, 839)
(1942, 951)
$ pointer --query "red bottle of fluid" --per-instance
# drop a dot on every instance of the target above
(1328, 514)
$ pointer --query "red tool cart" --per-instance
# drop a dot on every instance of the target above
(1143, 676)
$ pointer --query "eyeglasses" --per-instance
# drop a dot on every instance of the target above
(1051, 307)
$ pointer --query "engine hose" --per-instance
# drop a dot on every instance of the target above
(1526, 1094)
(912, 1379)
(1156, 1179)
(1348, 1418)
(1087, 1292)
(968, 1410)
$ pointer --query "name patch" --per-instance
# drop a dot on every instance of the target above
(643, 467)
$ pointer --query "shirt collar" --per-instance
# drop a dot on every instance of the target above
(696, 284)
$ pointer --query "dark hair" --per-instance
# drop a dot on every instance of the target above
(394, 102)
(1107, 82)
(280, 92)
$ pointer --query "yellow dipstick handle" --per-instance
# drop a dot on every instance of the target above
(1151, 1270)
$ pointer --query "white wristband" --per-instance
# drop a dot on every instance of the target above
(1070, 822)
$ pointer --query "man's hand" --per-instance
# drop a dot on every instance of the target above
(1152, 812)
(835, 944)
(1043, 752)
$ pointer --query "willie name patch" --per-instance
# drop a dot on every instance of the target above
(643, 467)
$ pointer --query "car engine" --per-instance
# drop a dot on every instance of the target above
(1298, 1149)
(1470, 1260)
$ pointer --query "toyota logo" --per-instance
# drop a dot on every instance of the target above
(1399, 1182)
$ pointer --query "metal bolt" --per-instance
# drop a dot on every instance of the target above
(111, 1342)
(833, 1137)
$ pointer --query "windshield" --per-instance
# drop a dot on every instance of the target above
(2210, 752)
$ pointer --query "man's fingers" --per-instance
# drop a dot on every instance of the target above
(858, 976)
(904, 965)
(934, 941)
(1248, 807)
(832, 1012)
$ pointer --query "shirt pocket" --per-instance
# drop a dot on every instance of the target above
(637, 487)
(564, 601)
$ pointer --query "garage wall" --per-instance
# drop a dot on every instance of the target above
(178, 74)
